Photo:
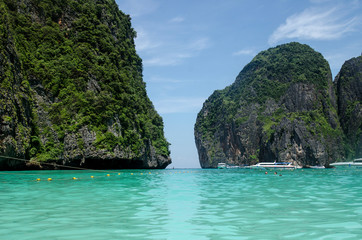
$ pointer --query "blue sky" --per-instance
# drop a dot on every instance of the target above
(192, 47)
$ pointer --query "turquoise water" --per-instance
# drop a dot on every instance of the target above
(182, 204)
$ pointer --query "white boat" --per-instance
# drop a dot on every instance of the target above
(355, 163)
(317, 167)
(232, 166)
(221, 165)
(229, 166)
(275, 165)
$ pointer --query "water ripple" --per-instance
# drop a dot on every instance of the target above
(170, 204)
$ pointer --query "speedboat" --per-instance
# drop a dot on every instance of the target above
(355, 163)
(232, 166)
(221, 165)
(229, 166)
(317, 167)
(275, 165)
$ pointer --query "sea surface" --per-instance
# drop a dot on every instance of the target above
(182, 204)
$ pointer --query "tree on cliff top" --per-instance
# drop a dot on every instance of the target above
(81, 56)
(287, 85)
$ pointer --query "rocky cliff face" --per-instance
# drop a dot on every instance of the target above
(281, 107)
(348, 85)
(71, 88)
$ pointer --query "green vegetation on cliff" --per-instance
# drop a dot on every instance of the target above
(285, 87)
(268, 76)
(348, 85)
(79, 56)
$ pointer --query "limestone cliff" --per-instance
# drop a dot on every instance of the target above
(281, 107)
(71, 88)
(348, 85)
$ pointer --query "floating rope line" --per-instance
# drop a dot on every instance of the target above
(51, 164)
(113, 172)
(110, 173)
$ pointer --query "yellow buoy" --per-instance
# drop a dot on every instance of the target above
(131, 173)
(149, 173)
(119, 173)
(108, 175)
(141, 173)
(49, 179)
(92, 176)
(38, 179)
(75, 178)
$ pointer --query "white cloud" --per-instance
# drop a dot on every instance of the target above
(144, 42)
(177, 20)
(319, 1)
(137, 8)
(315, 23)
(158, 79)
(167, 59)
(174, 52)
(179, 105)
(199, 44)
(336, 61)
(244, 52)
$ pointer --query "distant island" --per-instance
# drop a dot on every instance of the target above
(284, 106)
(72, 91)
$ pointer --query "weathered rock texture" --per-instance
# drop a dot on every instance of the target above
(281, 107)
(71, 88)
(348, 85)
